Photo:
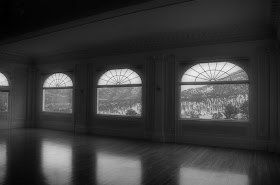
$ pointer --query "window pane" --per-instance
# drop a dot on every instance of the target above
(119, 77)
(124, 101)
(215, 71)
(58, 80)
(217, 101)
(4, 101)
(57, 100)
(3, 80)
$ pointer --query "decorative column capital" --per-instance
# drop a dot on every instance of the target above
(161, 58)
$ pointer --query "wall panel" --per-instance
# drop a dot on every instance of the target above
(160, 72)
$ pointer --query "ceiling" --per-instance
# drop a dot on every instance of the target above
(147, 25)
(21, 16)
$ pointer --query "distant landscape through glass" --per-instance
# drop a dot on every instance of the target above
(218, 90)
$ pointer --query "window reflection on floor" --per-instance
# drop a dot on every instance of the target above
(189, 176)
(3, 161)
(57, 162)
(118, 170)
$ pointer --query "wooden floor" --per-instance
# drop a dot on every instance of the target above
(44, 157)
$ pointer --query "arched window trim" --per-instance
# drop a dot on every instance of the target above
(112, 116)
(120, 85)
(215, 82)
(5, 77)
(189, 65)
(61, 87)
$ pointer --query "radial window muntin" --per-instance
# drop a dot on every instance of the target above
(206, 74)
(57, 81)
(3, 80)
(117, 77)
(213, 72)
(120, 77)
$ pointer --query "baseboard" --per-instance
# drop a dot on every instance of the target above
(137, 134)
(160, 137)
(18, 124)
(246, 143)
(277, 148)
(82, 129)
(56, 126)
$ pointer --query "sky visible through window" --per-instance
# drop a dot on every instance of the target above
(216, 71)
(58, 80)
(119, 77)
(3, 80)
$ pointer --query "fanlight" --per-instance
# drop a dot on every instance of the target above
(214, 71)
(3, 80)
(119, 77)
(58, 80)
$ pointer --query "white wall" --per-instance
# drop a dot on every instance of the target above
(160, 70)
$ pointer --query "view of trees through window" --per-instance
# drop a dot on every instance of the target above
(4, 101)
(119, 92)
(57, 100)
(58, 93)
(218, 90)
(217, 101)
(119, 101)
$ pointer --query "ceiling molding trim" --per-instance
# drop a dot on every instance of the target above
(156, 4)
(275, 12)
(275, 18)
(6, 57)
(164, 41)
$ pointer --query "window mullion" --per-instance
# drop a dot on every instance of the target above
(219, 82)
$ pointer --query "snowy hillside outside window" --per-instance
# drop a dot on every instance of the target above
(119, 92)
(58, 93)
(216, 90)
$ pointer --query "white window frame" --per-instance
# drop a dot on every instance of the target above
(6, 89)
(43, 94)
(189, 65)
(111, 116)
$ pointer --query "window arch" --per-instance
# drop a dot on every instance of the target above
(4, 93)
(58, 93)
(3, 80)
(119, 92)
(215, 90)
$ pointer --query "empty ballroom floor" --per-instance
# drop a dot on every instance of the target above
(34, 156)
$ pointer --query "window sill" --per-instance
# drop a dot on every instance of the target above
(58, 113)
(118, 117)
(215, 122)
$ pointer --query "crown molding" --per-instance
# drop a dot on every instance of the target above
(275, 18)
(6, 57)
(151, 5)
(275, 12)
(163, 41)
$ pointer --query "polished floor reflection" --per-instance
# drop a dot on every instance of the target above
(112, 168)
(209, 177)
(3, 161)
(56, 162)
(46, 157)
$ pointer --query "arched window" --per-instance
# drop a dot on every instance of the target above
(119, 92)
(4, 93)
(216, 90)
(57, 93)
